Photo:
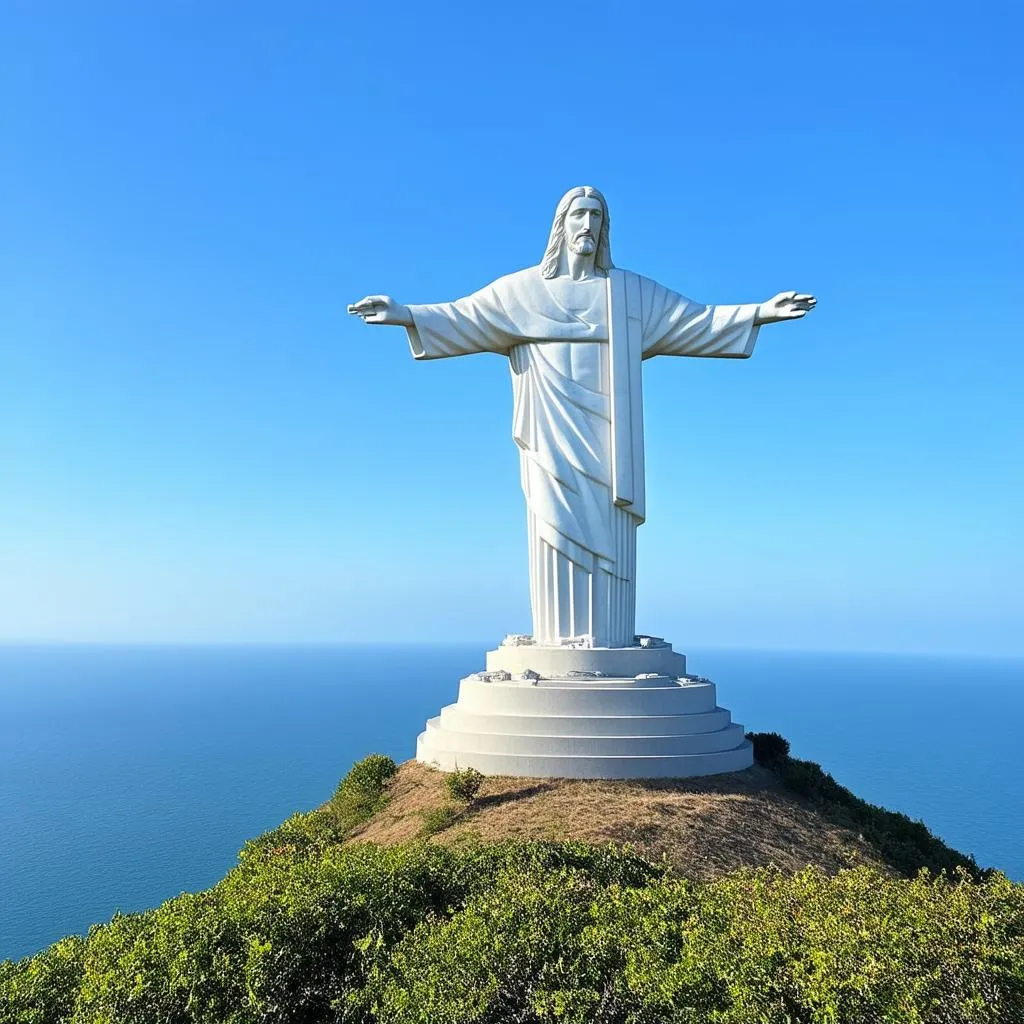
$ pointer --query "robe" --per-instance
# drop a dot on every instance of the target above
(574, 350)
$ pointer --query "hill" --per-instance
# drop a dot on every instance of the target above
(783, 812)
(703, 827)
(413, 897)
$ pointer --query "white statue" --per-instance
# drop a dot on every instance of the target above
(575, 330)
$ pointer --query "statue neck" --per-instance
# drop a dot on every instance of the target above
(578, 266)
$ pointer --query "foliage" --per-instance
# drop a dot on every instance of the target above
(463, 784)
(753, 947)
(437, 819)
(769, 747)
(42, 989)
(370, 775)
(905, 844)
(309, 931)
(362, 792)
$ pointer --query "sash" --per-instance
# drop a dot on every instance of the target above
(625, 348)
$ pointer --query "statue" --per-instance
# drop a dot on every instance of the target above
(575, 329)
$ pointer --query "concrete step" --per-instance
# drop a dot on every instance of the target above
(582, 700)
(457, 718)
(569, 766)
(440, 738)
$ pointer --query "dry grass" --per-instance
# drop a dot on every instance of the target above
(703, 827)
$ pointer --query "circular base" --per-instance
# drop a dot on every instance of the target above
(579, 723)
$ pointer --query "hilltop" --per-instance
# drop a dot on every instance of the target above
(414, 897)
(790, 814)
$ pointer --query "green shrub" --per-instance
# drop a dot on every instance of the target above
(362, 792)
(42, 989)
(531, 932)
(371, 774)
(769, 747)
(299, 834)
(463, 784)
(752, 948)
(305, 930)
(904, 844)
(439, 818)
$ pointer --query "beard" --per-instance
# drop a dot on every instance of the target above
(583, 245)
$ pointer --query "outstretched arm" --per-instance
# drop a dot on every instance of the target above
(439, 330)
(784, 306)
(677, 326)
(381, 309)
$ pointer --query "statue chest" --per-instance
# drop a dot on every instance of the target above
(584, 362)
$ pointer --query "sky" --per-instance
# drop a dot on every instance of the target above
(197, 444)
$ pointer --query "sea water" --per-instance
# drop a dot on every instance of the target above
(130, 774)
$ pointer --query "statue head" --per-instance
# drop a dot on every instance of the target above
(579, 238)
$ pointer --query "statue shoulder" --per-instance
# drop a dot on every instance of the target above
(518, 282)
(650, 289)
(633, 275)
(519, 278)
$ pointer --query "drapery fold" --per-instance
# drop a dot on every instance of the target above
(578, 422)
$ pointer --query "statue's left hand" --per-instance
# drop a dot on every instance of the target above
(785, 306)
(381, 309)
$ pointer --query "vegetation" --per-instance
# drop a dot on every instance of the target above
(437, 819)
(770, 749)
(905, 844)
(361, 793)
(463, 784)
(309, 928)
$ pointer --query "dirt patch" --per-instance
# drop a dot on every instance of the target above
(703, 827)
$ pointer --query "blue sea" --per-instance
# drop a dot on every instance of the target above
(128, 775)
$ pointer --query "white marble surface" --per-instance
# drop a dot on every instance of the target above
(575, 330)
(583, 697)
(655, 723)
(550, 661)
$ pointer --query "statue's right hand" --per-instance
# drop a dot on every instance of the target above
(381, 309)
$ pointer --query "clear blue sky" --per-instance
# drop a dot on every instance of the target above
(196, 442)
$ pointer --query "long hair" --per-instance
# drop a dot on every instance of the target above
(603, 256)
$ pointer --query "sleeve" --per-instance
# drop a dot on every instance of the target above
(677, 326)
(476, 323)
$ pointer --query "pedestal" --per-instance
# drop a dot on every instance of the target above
(585, 713)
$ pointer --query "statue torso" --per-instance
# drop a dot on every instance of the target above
(584, 361)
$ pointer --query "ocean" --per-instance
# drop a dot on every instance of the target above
(130, 774)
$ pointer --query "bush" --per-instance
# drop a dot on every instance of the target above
(534, 932)
(362, 792)
(904, 844)
(752, 948)
(770, 748)
(463, 783)
(370, 775)
(439, 818)
(42, 989)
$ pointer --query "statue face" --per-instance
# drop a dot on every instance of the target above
(583, 225)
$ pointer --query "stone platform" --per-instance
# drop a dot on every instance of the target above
(585, 713)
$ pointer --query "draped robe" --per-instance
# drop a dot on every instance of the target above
(574, 349)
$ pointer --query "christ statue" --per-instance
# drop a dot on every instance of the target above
(575, 330)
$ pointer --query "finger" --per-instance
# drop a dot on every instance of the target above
(804, 298)
(787, 295)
